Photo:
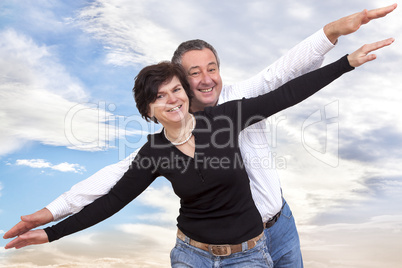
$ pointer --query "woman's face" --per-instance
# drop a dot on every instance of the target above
(171, 104)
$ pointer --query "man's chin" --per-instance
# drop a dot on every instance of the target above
(207, 100)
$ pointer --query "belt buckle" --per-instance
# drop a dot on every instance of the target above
(220, 250)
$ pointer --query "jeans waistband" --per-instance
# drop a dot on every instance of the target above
(220, 250)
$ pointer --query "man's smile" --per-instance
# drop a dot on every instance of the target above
(206, 90)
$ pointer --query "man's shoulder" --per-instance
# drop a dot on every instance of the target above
(223, 96)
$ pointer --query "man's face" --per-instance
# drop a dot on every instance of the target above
(204, 77)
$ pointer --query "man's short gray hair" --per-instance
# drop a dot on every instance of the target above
(189, 45)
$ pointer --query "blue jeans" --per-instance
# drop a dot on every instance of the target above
(283, 241)
(185, 255)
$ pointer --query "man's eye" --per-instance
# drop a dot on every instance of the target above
(194, 73)
(159, 96)
(177, 89)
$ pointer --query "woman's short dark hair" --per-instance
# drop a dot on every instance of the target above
(148, 81)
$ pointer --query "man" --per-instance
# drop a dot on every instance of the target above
(201, 63)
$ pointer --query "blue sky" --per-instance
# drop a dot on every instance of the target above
(66, 73)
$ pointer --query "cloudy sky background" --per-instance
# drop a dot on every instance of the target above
(66, 110)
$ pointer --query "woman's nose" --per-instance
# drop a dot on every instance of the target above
(172, 98)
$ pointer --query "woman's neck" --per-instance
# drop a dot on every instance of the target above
(180, 131)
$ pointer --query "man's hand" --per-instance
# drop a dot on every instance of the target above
(361, 56)
(352, 23)
(29, 222)
(34, 237)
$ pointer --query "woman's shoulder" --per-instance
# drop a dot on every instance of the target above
(155, 141)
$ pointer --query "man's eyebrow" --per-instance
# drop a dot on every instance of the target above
(193, 67)
(196, 67)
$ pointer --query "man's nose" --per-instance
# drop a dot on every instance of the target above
(206, 78)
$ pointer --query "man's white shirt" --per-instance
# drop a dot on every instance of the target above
(254, 140)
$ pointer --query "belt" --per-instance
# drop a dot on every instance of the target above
(274, 219)
(219, 250)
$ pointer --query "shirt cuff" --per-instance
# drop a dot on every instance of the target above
(59, 208)
(321, 42)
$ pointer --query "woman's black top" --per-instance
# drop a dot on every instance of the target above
(215, 197)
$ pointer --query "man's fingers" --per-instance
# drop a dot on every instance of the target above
(27, 223)
(29, 218)
(363, 18)
(381, 12)
(18, 229)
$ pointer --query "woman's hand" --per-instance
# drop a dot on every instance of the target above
(34, 237)
(361, 56)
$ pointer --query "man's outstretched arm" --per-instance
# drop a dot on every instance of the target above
(308, 55)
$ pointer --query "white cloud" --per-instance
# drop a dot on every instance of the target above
(33, 163)
(164, 203)
(299, 11)
(26, 63)
(67, 167)
(358, 244)
(41, 102)
(128, 33)
(41, 163)
(164, 236)
(121, 248)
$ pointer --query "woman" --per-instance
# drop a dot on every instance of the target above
(198, 153)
